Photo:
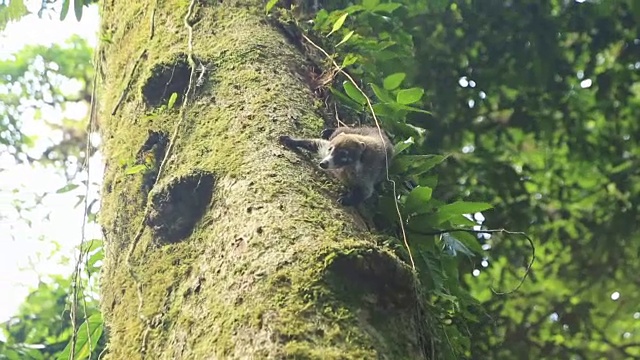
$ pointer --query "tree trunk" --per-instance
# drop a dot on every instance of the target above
(239, 252)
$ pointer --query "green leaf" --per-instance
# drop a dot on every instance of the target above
(349, 60)
(29, 141)
(89, 332)
(80, 200)
(338, 24)
(90, 245)
(423, 222)
(67, 188)
(354, 93)
(93, 259)
(402, 145)
(370, 4)
(428, 180)
(436, 276)
(382, 94)
(409, 108)
(270, 5)
(65, 9)
(11, 11)
(384, 110)
(417, 199)
(92, 217)
(394, 80)
(321, 17)
(458, 220)
(416, 164)
(345, 99)
(345, 38)
(386, 7)
(12, 354)
(77, 8)
(398, 128)
(172, 100)
(469, 240)
(463, 207)
(409, 96)
(454, 245)
(135, 169)
(622, 167)
(353, 9)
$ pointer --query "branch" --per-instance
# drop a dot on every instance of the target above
(492, 231)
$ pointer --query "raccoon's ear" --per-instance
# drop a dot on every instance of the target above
(362, 145)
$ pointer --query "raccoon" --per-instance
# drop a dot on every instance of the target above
(356, 156)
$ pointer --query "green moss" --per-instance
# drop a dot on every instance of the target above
(245, 282)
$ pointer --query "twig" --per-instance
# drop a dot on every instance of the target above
(85, 215)
(203, 70)
(152, 25)
(386, 157)
(340, 123)
(103, 352)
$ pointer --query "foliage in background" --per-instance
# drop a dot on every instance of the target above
(50, 87)
(42, 327)
(546, 105)
(536, 106)
(14, 10)
(11, 10)
(42, 82)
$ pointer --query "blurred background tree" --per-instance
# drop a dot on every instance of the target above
(42, 327)
(540, 102)
(45, 94)
(50, 86)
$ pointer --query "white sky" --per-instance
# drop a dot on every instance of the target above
(26, 250)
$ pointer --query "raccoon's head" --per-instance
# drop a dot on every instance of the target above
(344, 150)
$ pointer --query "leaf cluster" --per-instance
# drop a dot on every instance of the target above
(518, 115)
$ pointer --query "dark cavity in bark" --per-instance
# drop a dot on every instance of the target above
(176, 209)
(166, 80)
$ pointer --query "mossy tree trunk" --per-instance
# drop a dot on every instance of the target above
(239, 253)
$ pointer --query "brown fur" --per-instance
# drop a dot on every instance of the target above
(356, 156)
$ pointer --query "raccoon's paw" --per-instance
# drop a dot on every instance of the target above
(326, 133)
(286, 140)
(351, 198)
(345, 200)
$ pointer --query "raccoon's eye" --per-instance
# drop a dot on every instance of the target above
(344, 157)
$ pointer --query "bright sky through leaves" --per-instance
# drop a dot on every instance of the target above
(21, 244)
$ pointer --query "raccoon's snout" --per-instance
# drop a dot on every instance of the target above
(324, 164)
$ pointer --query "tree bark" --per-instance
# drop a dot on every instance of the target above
(241, 250)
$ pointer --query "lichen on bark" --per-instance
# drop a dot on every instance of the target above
(272, 268)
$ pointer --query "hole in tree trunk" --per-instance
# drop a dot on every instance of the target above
(166, 80)
(176, 209)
